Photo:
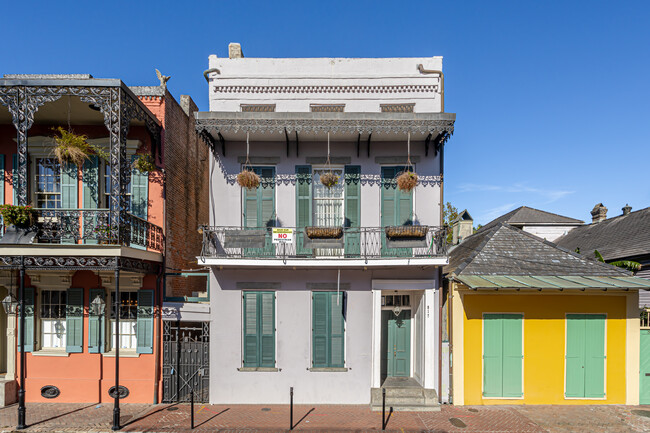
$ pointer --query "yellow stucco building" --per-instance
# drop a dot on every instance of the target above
(535, 324)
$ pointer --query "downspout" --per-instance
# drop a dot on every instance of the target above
(208, 71)
(451, 286)
(442, 83)
(440, 310)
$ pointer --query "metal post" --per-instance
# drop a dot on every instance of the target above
(21, 391)
(383, 409)
(192, 409)
(116, 407)
(291, 410)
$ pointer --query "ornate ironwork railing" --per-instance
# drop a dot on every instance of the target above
(93, 226)
(354, 242)
(645, 318)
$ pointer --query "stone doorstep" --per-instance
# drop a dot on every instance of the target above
(405, 398)
(8, 392)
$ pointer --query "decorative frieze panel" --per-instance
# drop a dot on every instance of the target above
(404, 88)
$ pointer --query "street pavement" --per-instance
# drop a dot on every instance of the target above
(69, 418)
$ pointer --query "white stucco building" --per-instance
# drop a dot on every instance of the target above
(334, 313)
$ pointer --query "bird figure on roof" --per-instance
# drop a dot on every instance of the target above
(163, 78)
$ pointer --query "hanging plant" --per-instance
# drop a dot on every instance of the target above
(144, 163)
(71, 148)
(248, 179)
(329, 179)
(407, 181)
(17, 215)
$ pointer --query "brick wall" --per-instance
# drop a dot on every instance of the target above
(185, 160)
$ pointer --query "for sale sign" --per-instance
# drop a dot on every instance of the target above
(282, 236)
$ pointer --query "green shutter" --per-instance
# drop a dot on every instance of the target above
(337, 327)
(29, 320)
(267, 329)
(512, 355)
(2, 177)
(139, 192)
(259, 329)
(502, 355)
(96, 325)
(259, 209)
(595, 356)
(303, 206)
(320, 329)
(144, 333)
(575, 355)
(74, 320)
(352, 210)
(14, 177)
(90, 180)
(396, 208)
(492, 355)
(69, 186)
(250, 330)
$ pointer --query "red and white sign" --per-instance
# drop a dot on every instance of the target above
(282, 236)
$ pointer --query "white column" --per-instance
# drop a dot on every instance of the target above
(376, 339)
(11, 347)
(430, 339)
(632, 344)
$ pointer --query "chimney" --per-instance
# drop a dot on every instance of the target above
(462, 227)
(234, 51)
(598, 213)
(627, 209)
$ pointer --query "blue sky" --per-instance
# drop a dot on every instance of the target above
(552, 98)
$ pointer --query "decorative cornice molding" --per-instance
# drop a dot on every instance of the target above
(73, 263)
(403, 88)
(366, 179)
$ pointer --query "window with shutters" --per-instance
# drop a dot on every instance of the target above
(258, 329)
(53, 319)
(48, 183)
(107, 188)
(128, 320)
(328, 329)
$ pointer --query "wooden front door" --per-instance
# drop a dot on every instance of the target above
(398, 344)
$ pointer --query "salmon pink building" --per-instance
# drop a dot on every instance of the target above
(88, 257)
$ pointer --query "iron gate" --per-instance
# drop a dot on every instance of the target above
(186, 360)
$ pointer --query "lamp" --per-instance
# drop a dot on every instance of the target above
(98, 306)
(10, 304)
(397, 310)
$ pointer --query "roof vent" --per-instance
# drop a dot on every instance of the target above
(627, 209)
(234, 51)
(598, 213)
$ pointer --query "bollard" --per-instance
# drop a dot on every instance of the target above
(192, 409)
(383, 409)
(291, 410)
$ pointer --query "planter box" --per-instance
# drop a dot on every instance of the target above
(324, 232)
(19, 235)
(326, 243)
(406, 236)
(255, 238)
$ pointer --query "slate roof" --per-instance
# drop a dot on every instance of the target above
(527, 215)
(614, 238)
(509, 251)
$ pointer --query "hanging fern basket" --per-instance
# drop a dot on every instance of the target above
(71, 148)
(329, 179)
(248, 179)
(407, 181)
(144, 164)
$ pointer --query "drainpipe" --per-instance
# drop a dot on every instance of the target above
(440, 311)
(442, 83)
(451, 286)
(208, 71)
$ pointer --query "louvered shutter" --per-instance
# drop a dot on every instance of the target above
(320, 329)
(250, 330)
(595, 355)
(144, 332)
(74, 320)
(337, 326)
(96, 325)
(267, 329)
(29, 320)
(575, 355)
(90, 179)
(512, 355)
(303, 206)
(492, 355)
(69, 186)
(139, 192)
(352, 210)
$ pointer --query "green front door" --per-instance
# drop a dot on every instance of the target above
(644, 380)
(398, 343)
(585, 355)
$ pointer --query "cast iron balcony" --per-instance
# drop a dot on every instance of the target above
(93, 226)
(426, 242)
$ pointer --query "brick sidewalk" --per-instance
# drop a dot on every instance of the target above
(53, 417)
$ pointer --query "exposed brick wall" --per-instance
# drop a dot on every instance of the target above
(185, 160)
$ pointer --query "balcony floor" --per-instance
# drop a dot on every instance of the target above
(323, 262)
(58, 250)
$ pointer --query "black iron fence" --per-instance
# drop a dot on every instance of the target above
(319, 242)
(93, 226)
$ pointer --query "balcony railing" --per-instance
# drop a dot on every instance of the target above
(92, 227)
(352, 243)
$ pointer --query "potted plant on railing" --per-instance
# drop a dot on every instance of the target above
(20, 222)
(144, 163)
(408, 236)
(323, 237)
(71, 148)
